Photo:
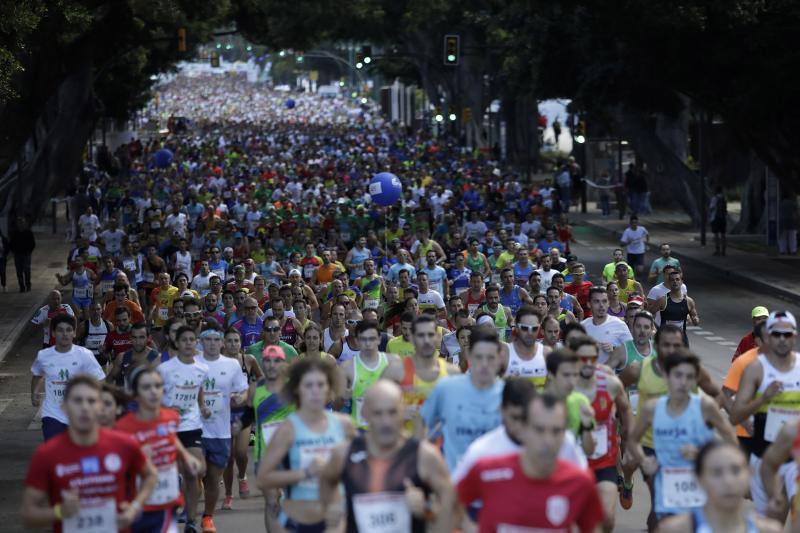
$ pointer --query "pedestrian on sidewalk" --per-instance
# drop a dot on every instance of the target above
(605, 200)
(21, 243)
(718, 216)
(635, 239)
(788, 221)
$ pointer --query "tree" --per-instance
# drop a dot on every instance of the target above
(65, 64)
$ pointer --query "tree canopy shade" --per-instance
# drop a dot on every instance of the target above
(64, 64)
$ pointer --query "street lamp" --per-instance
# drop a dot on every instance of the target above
(439, 118)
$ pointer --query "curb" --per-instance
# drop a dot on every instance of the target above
(746, 281)
(16, 332)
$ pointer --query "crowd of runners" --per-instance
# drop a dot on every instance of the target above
(245, 322)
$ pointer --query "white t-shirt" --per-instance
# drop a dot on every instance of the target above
(547, 278)
(613, 330)
(182, 383)
(521, 238)
(531, 227)
(497, 442)
(634, 239)
(57, 368)
(474, 229)
(225, 377)
(41, 316)
(430, 299)
(177, 223)
(113, 240)
(202, 284)
(89, 225)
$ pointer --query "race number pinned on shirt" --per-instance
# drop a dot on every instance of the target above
(360, 419)
(633, 398)
(94, 516)
(268, 430)
(600, 436)
(680, 489)
(382, 512)
(776, 418)
(168, 487)
(163, 313)
(371, 304)
(307, 456)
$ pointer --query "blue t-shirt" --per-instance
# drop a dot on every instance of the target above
(465, 412)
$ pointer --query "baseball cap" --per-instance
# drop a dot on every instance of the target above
(294, 272)
(273, 352)
(759, 311)
(781, 322)
(228, 249)
(636, 300)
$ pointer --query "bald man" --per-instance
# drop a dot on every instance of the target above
(386, 473)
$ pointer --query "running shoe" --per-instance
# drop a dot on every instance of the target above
(244, 489)
(208, 525)
(227, 503)
(190, 527)
(625, 493)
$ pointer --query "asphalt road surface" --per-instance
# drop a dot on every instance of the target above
(724, 312)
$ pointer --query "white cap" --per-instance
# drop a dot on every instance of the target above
(781, 321)
(294, 271)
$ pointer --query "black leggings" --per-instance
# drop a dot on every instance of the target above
(23, 264)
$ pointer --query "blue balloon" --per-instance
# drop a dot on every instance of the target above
(385, 188)
(163, 158)
(290, 104)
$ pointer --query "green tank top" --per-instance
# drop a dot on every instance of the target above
(633, 356)
(363, 378)
(270, 412)
(500, 320)
(475, 264)
(371, 289)
(574, 402)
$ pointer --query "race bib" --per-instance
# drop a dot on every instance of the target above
(184, 401)
(307, 456)
(130, 266)
(148, 277)
(163, 313)
(82, 292)
(360, 419)
(214, 403)
(680, 489)
(106, 286)
(308, 271)
(371, 304)
(168, 487)
(600, 436)
(99, 516)
(382, 512)
(633, 398)
(268, 430)
(676, 323)
(776, 418)
(472, 308)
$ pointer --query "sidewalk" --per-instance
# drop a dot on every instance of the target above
(16, 308)
(746, 262)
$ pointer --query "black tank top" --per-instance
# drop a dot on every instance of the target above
(675, 313)
(357, 475)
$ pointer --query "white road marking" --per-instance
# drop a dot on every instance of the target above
(703, 332)
(5, 403)
(36, 423)
(693, 328)
(728, 343)
(715, 339)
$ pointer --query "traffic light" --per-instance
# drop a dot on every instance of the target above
(181, 39)
(366, 51)
(214, 59)
(452, 50)
(359, 59)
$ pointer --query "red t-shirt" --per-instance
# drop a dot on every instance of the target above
(104, 474)
(581, 293)
(510, 498)
(117, 342)
(158, 438)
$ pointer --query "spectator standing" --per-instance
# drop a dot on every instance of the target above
(21, 244)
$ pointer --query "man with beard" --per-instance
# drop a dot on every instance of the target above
(768, 392)
(610, 332)
(421, 371)
(610, 404)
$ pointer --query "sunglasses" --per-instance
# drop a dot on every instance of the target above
(351, 322)
(196, 314)
(525, 327)
(272, 329)
(784, 334)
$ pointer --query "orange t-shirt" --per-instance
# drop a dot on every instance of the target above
(135, 311)
(734, 377)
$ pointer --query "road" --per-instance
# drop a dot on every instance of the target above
(724, 310)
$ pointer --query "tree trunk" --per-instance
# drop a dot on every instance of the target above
(51, 157)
